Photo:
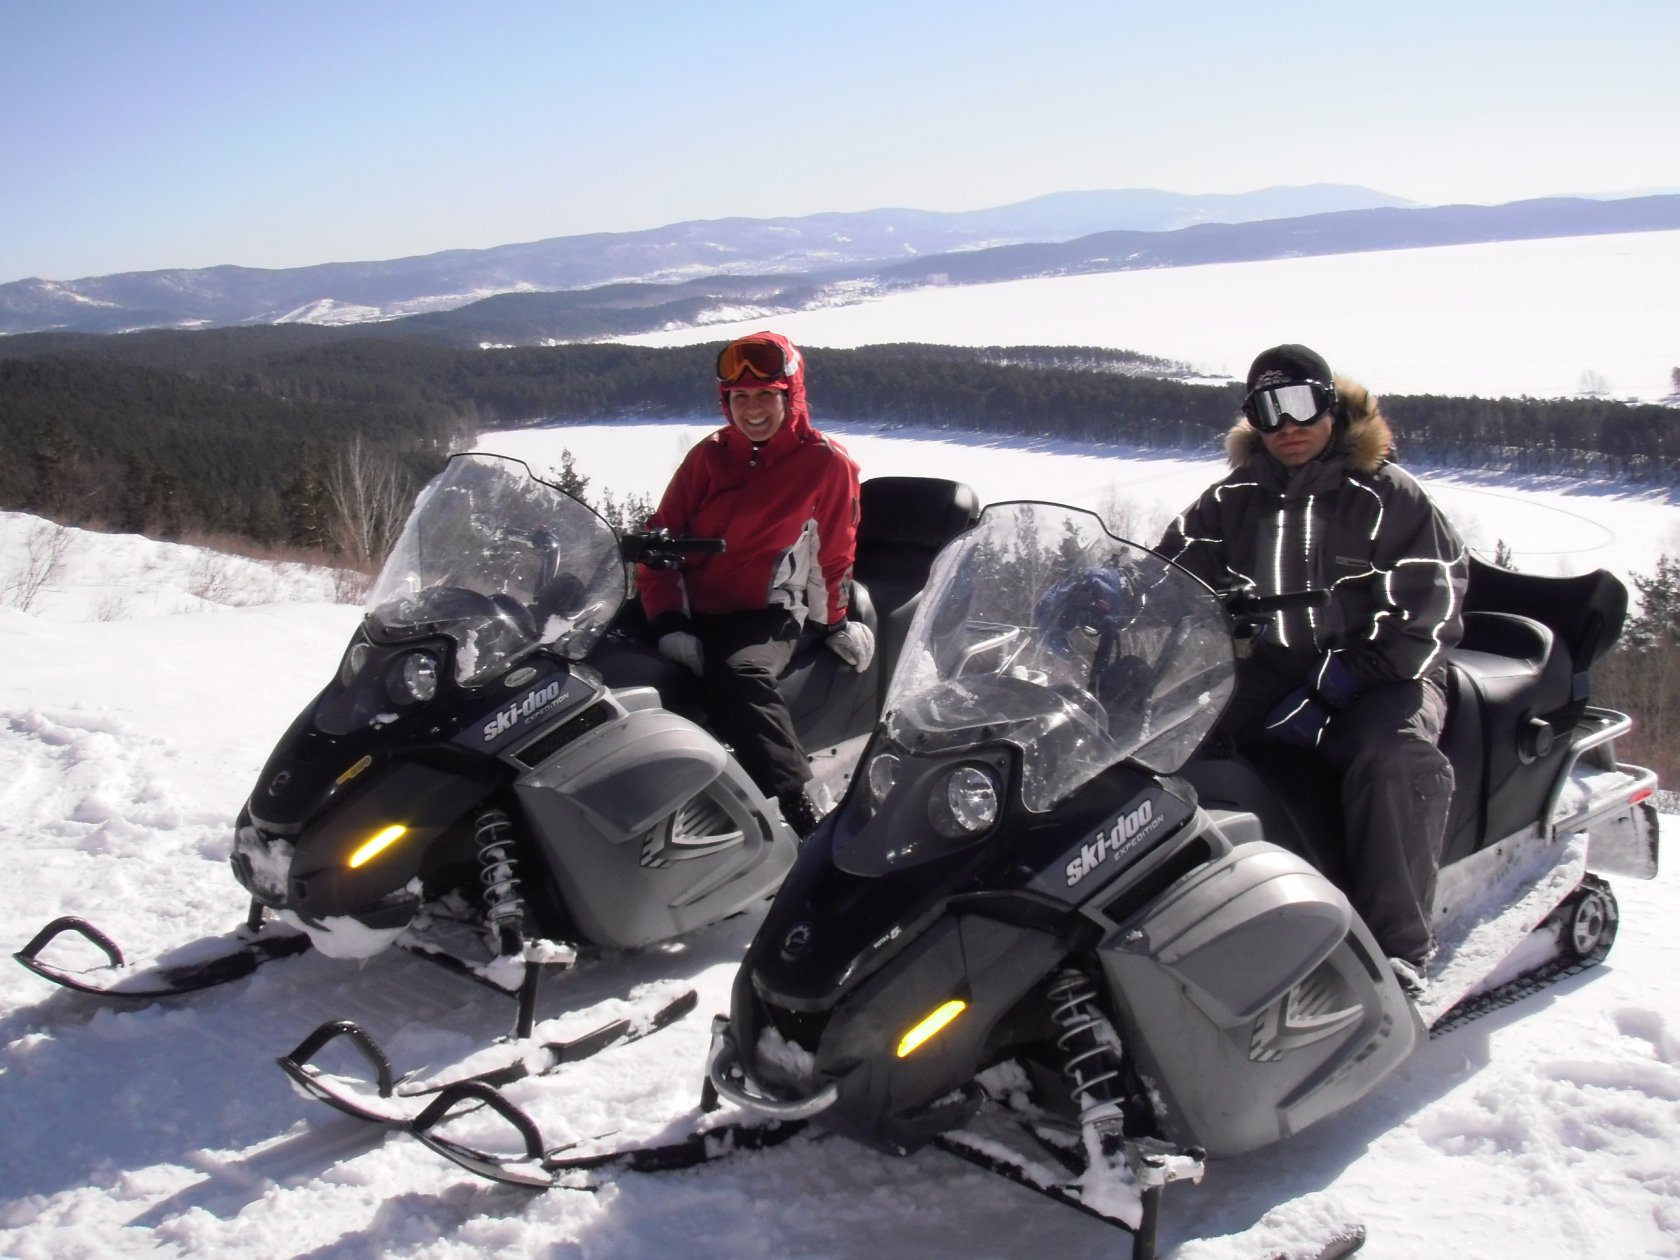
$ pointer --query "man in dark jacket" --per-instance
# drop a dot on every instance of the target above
(1314, 502)
(784, 499)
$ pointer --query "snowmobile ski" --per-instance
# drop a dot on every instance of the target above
(989, 1156)
(553, 1169)
(537, 1166)
(996, 1158)
(1146, 1164)
(386, 1107)
(222, 961)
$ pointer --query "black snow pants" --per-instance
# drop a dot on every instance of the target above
(1396, 788)
(745, 653)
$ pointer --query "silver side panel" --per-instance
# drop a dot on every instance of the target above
(651, 830)
(1254, 1001)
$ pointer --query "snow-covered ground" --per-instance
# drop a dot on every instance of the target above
(1548, 318)
(139, 698)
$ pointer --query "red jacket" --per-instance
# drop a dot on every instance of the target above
(788, 513)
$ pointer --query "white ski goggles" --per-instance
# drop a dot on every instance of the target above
(1306, 402)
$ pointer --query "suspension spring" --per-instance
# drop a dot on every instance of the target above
(504, 906)
(1087, 1040)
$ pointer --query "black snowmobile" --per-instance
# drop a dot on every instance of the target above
(471, 787)
(1043, 934)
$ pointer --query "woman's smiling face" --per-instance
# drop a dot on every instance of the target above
(758, 413)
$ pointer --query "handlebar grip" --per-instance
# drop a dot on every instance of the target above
(656, 548)
(1244, 605)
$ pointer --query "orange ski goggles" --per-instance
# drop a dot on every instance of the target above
(764, 360)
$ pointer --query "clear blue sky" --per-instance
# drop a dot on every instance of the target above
(142, 134)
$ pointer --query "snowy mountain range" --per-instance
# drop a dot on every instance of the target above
(355, 291)
(615, 284)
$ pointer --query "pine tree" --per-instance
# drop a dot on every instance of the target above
(1657, 627)
(570, 479)
(1642, 676)
(305, 505)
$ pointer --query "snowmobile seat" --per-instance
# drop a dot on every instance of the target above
(902, 525)
(904, 522)
(1507, 679)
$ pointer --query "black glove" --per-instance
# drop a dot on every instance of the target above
(1298, 719)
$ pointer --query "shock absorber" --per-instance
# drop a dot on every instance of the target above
(504, 905)
(1089, 1044)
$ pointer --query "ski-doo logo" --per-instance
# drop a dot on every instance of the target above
(1127, 832)
(798, 940)
(526, 706)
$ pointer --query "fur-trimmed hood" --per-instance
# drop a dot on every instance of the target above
(1364, 442)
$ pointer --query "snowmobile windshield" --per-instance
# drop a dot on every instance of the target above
(499, 562)
(1040, 629)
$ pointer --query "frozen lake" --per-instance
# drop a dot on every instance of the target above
(1538, 318)
(1552, 525)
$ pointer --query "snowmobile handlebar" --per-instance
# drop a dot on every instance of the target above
(658, 549)
(1243, 604)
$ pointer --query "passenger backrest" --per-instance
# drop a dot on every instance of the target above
(1585, 614)
(1522, 668)
(905, 521)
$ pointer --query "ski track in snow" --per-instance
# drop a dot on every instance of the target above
(1547, 1129)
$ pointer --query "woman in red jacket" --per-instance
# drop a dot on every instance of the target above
(785, 500)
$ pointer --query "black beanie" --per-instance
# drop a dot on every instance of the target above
(1287, 365)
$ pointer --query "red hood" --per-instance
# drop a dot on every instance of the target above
(798, 412)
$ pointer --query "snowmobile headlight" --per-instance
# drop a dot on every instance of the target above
(376, 844)
(354, 659)
(965, 802)
(930, 1025)
(881, 775)
(414, 680)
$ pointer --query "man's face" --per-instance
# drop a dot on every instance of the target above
(758, 413)
(1297, 444)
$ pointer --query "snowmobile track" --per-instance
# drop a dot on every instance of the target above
(1583, 945)
(1509, 993)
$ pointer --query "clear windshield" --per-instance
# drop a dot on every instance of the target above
(1040, 628)
(500, 562)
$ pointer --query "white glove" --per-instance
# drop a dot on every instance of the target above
(683, 648)
(853, 643)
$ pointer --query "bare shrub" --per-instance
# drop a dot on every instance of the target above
(369, 493)
(350, 586)
(212, 579)
(111, 606)
(44, 549)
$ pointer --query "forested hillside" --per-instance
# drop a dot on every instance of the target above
(266, 433)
